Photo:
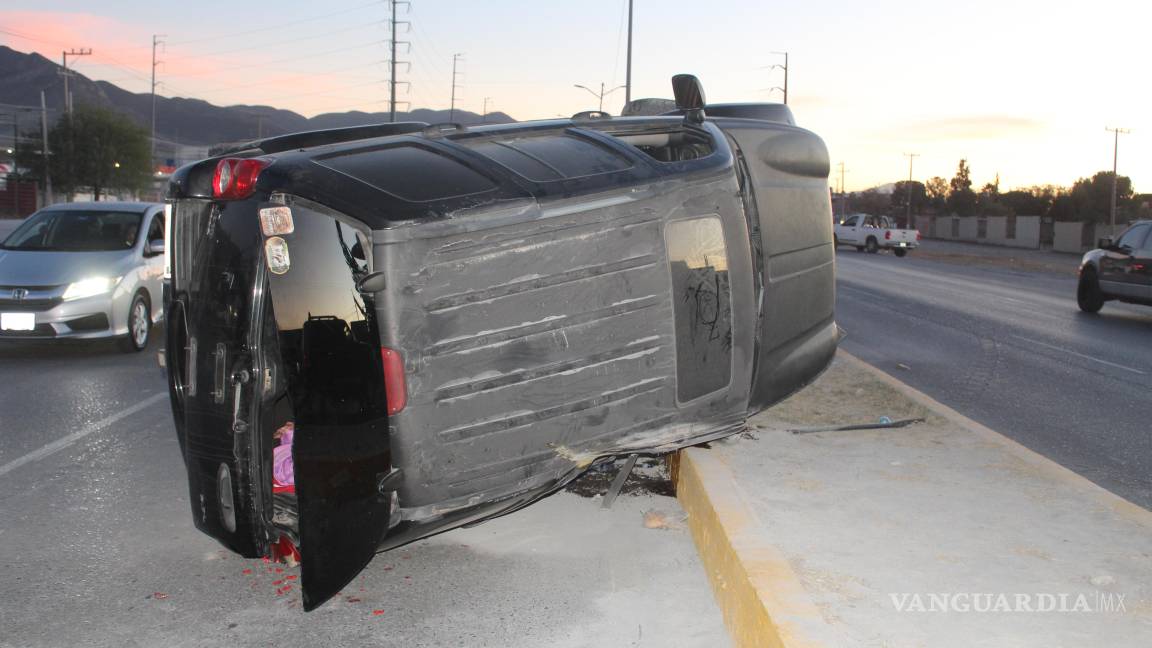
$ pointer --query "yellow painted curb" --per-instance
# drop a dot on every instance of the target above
(761, 598)
(1111, 500)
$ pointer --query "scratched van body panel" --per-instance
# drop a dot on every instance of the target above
(458, 322)
(539, 338)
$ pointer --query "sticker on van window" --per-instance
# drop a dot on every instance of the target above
(276, 254)
(276, 220)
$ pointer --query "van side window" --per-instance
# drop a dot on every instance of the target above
(551, 157)
(411, 173)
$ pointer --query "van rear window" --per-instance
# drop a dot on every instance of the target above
(412, 173)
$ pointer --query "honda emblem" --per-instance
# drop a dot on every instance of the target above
(19, 294)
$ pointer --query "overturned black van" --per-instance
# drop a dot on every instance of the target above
(456, 322)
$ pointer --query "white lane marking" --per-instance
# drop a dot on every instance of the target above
(60, 444)
(1079, 355)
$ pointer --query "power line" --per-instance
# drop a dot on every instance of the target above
(290, 23)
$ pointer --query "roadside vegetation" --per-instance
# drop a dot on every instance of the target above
(1087, 200)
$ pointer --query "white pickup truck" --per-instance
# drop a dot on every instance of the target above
(871, 233)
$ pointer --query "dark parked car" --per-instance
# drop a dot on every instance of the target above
(459, 321)
(1120, 270)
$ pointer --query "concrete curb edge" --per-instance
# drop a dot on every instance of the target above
(760, 597)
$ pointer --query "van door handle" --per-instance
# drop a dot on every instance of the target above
(239, 378)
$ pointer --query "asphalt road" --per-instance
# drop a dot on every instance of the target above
(97, 546)
(1010, 349)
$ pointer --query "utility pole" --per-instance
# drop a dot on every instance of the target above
(1115, 149)
(484, 113)
(155, 41)
(785, 68)
(908, 189)
(67, 95)
(452, 111)
(44, 144)
(843, 193)
(628, 72)
(393, 62)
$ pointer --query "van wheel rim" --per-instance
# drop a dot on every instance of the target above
(139, 324)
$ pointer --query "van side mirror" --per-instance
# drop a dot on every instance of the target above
(1105, 243)
(689, 96)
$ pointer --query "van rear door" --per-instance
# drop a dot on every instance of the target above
(266, 330)
(328, 363)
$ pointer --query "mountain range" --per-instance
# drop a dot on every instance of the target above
(183, 120)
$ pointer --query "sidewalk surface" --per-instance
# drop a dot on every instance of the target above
(909, 537)
(999, 256)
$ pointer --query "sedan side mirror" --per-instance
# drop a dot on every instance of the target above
(1105, 243)
(154, 248)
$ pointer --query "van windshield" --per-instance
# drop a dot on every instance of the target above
(76, 231)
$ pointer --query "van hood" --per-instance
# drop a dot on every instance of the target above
(48, 268)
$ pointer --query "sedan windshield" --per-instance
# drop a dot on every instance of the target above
(76, 231)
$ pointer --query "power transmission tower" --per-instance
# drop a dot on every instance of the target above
(65, 73)
(908, 189)
(452, 110)
(393, 62)
(155, 41)
(484, 113)
(1115, 150)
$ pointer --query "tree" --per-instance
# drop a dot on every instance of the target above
(961, 198)
(1091, 198)
(96, 149)
(869, 202)
(1033, 201)
(937, 190)
(900, 198)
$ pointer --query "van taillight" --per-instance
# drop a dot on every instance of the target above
(395, 389)
(235, 178)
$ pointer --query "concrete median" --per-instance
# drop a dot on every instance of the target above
(944, 533)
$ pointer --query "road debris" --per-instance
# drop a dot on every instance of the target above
(882, 424)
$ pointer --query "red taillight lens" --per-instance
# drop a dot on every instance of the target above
(917, 235)
(235, 178)
(887, 236)
(395, 389)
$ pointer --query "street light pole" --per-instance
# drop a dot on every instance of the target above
(1115, 149)
(628, 73)
(599, 95)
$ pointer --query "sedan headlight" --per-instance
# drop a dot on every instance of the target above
(89, 287)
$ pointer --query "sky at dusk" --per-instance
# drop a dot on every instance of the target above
(1021, 89)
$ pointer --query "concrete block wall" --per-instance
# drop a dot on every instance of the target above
(1068, 237)
(7, 225)
(997, 232)
(968, 228)
(1027, 232)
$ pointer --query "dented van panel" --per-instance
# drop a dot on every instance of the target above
(453, 323)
